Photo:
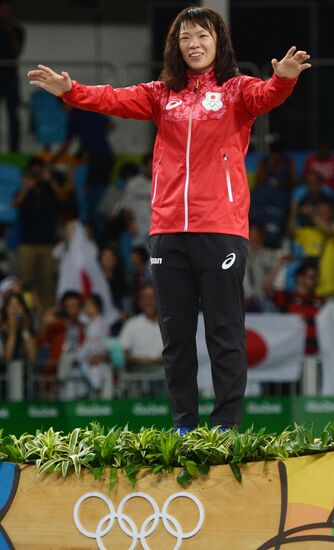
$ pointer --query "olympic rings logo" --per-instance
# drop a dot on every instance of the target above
(128, 526)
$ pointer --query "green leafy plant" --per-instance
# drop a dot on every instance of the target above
(158, 451)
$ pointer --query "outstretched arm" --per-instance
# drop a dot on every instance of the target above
(136, 102)
(261, 96)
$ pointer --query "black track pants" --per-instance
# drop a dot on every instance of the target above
(207, 268)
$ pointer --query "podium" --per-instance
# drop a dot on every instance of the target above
(277, 503)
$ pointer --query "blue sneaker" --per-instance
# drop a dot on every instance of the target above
(183, 430)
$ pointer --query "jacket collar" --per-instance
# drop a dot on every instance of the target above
(195, 80)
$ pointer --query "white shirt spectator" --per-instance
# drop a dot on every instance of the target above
(98, 375)
(141, 337)
(137, 200)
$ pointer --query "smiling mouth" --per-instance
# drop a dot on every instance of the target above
(195, 55)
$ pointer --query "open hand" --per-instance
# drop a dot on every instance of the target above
(49, 80)
(292, 64)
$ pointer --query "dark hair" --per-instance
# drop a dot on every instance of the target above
(142, 253)
(97, 301)
(308, 263)
(127, 170)
(22, 302)
(174, 72)
(70, 294)
(33, 162)
(113, 248)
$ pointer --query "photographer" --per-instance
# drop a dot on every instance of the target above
(37, 203)
(16, 330)
(63, 333)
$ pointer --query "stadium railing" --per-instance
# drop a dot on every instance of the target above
(36, 381)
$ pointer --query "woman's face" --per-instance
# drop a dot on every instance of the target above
(198, 47)
(90, 308)
(108, 259)
(14, 307)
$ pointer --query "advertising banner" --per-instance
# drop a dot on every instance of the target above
(274, 413)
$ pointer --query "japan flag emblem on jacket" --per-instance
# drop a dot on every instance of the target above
(212, 101)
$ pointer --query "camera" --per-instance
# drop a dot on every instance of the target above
(19, 318)
(62, 314)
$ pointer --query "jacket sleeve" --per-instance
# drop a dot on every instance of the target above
(132, 102)
(260, 96)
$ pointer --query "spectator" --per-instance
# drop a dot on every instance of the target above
(140, 274)
(259, 263)
(277, 168)
(136, 203)
(93, 356)
(91, 130)
(312, 190)
(113, 269)
(12, 37)
(270, 196)
(304, 300)
(309, 236)
(37, 203)
(324, 221)
(110, 203)
(67, 208)
(5, 259)
(113, 222)
(17, 336)
(140, 336)
(9, 285)
(323, 163)
(12, 285)
(63, 333)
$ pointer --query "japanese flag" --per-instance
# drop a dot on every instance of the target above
(80, 270)
(275, 346)
(275, 349)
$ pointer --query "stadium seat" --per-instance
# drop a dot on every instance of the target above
(48, 117)
(80, 177)
(10, 182)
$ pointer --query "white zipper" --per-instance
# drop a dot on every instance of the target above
(228, 179)
(186, 185)
(155, 182)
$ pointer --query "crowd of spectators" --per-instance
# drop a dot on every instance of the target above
(75, 335)
(290, 266)
(53, 319)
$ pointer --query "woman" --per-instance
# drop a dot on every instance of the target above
(17, 339)
(16, 331)
(204, 110)
(93, 356)
(112, 266)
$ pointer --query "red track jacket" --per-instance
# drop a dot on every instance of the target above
(199, 177)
